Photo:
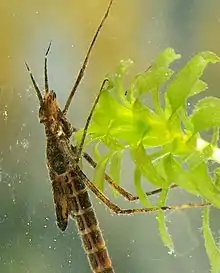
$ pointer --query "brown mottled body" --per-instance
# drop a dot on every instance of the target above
(69, 190)
(68, 181)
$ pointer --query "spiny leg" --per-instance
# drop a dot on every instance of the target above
(85, 62)
(127, 195)
(116, 209)
(79, 149)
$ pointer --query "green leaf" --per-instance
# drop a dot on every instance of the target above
(96, 152)
(161, 220)
(176, 174)
(186, 80)
(116, 85)
(100, 171)
(196, 181)
(141, 194)
(206, 114)
(157, 74)
(148, 81)
(112, 143)
(148, 125)
(200, 177)
(166, 57)
(198, 87)
(89, 138)
(107, 111)
(144, 164)
(115, 168)
(217, 178)
(212, 249)
(215, 136)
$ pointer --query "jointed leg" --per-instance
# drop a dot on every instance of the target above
(118, 210)
(127, 195)
(79, 149)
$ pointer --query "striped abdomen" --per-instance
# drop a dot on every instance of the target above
(80, 207)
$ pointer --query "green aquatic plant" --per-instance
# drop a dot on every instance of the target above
(164, 140)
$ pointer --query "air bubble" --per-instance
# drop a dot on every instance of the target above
(171, 252)
(5, 114)
(25, 143)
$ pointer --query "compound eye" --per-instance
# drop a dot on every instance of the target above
(41, 115)
(53, 95)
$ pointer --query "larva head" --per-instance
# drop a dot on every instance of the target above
(49, 113)
(49, 110)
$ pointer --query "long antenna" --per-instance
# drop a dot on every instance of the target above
(35, 84)
(46, 84)
(82, 70)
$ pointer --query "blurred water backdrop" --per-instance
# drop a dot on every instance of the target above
(30, 242)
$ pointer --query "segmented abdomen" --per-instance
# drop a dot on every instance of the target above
(81, 209)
